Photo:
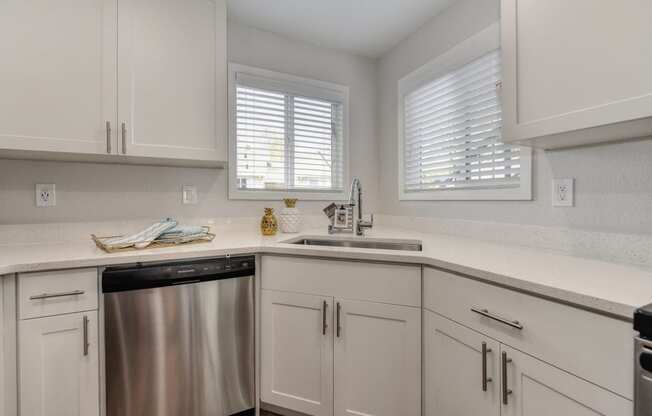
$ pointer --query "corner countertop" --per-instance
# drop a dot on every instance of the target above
(612, 289)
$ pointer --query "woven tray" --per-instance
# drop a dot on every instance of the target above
(167, 242)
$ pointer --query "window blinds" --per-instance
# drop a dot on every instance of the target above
(452, 132)
(287, 140)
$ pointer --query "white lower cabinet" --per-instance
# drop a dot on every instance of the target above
(3, 335)
(536, 388)
(340, 338)
(453, 377)
(377, 359)
(58, 365)
(328, 356)
(297, 352)
(454, 370)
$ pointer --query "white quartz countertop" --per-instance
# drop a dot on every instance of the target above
(608, 288)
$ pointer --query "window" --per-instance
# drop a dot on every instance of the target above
(451, 122)
(288, 136)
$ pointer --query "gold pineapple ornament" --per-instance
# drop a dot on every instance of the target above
(268, 224)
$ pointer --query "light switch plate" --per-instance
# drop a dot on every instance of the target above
(563, 192)
(189, 195)
(45, 195)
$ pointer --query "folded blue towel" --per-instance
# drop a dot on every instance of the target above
(143, 238)
(183, 231)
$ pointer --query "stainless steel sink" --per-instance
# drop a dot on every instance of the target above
(406, 245)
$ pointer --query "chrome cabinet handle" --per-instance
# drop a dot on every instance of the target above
(124, 138)
(485, 379)
(86, 345)
(339, 326)
(56, 295)
(108, 137)
(506, 392)
(486, 313)
(324, 325)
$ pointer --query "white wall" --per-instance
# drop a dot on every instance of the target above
(613, 182)
(95, 192)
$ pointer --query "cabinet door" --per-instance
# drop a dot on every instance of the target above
(58, 376)
(539, 389)
(454, 369)
(3, 336)
(561, 80)
(377, 359)
(58, 75)
(297, 352)
(172, 79)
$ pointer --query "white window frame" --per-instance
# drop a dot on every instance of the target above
(465, 52)
(299, 85)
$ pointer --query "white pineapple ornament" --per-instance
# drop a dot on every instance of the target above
(290, 217)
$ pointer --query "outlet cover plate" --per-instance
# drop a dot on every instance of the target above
(563, 192)
(45, 195)
(189, 195)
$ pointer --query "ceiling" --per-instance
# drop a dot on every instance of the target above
(364, 27)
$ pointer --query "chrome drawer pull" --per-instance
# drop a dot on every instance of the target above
(487, 314)
(506, 391)
(324, 325)
(124, 139)
(86, 344)
(338, 326)
(57, 295)
(485, 379)
(108, 137)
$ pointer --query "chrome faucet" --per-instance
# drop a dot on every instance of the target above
(360, 224)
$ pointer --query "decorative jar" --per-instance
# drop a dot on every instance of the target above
(268, 224)
(290, 216)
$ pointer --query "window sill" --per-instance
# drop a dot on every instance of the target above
(515, 194)
(238, 194)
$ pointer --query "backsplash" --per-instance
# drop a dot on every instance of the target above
(632, 249)
(65, 232)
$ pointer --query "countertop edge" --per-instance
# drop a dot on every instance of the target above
(597, 305)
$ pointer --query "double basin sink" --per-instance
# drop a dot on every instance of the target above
(404, 245)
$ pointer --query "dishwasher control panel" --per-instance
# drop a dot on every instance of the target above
(143, 276)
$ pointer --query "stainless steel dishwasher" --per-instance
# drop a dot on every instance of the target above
(179, 338)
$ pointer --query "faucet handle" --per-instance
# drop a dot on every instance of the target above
(366, 224)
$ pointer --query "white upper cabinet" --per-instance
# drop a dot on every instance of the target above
(136, 81)
(57, 75)
(172, 79)
(576, 72)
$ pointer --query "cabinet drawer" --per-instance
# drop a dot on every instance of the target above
(54, 293)
(377, 282)
(591, 346)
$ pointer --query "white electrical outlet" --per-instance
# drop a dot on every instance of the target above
(189, 195)
(563, 192)
(45, 195)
